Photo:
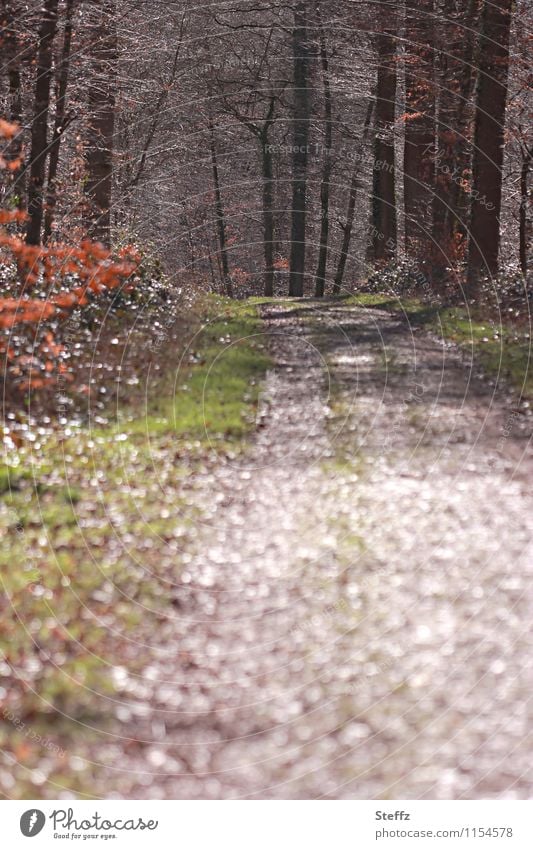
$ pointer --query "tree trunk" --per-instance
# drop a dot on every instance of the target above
(39, 129)
(99, 150)
(213, 279)
(301, 109)
(11, 49)
(419, 139)
(484, 243)
(350, 214)
(219, 209)
(384, 226)
(59, 122)
(320, 280)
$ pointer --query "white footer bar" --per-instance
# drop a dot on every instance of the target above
(269, 824)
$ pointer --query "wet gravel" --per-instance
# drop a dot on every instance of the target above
(353, 617)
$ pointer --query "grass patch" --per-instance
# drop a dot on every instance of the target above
(213, 398)
(371, 300)
(501, 350)
(221, 392)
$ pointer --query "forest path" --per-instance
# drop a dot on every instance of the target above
(353, 617)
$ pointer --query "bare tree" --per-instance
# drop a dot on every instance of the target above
(347, 226)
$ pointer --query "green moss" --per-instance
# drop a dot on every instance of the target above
(221, 394)
(370, 300)
(501, 350)
(12, 479)
(215, 391)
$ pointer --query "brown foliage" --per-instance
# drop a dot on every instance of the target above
(60, 278)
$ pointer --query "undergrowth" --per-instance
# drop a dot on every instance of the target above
(94, 523)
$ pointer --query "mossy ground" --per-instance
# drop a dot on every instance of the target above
(501, 349)
(217, 393)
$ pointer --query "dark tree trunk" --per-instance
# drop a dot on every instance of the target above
(11, 61)
(350, 214)
(100, 141)
(419, 140)
(219, 209)
(320, 281)
(301, 110)
(60, 122)
(39, 129)
(491, 100)
(384, 226)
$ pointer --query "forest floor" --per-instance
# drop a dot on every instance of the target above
(312, 580)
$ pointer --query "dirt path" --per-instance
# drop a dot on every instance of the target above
(353, 618)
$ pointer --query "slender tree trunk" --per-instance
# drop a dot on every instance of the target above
(213, 279)
(300, 157)
(350, 214)
(384, 226)
(59, 122)
(419, 139)
(262, 134)
(268, 212)
(39, 129)
(491, 101)
(11, 62)
(100, 141)
(320, 280)
(527, 154)
(219, 209)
